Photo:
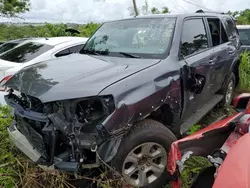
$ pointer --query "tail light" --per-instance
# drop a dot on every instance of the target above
(3, 81)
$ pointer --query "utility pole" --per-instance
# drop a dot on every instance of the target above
(135, 8)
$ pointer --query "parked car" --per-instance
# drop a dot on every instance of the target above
(31, 51)
(244, 31)
(226, 146)
(136, 85)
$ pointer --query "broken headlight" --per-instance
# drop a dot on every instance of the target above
(93, 110)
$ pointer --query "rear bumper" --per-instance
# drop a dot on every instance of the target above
(22, 143)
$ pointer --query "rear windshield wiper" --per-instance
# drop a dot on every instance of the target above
(129, 55)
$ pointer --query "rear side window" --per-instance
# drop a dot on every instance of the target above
(232, 31)
(217, 31)
(25, 52)
(76, 49)
(194, 37)
(71, 50)
(63, 53)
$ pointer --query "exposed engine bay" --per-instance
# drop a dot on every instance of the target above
(66, 133)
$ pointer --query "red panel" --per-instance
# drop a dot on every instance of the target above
(175, 153)
(235, 170)
(237, 99)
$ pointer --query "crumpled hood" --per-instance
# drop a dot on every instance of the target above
(74, 76)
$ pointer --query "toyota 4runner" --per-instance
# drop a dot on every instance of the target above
(136, 85)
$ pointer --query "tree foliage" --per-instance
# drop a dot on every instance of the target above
(146, 10)
(164, 10)
(155, 10)
(11, 8)
(243, 17)
(9, 32)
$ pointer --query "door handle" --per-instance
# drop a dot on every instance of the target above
(212, 61)
(231, 52)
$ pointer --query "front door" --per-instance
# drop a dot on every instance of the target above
(196, 53)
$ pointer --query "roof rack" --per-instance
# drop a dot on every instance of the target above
(202, 11)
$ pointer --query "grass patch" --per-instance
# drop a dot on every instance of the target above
(245, 72)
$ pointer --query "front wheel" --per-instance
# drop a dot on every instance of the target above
(142, 155)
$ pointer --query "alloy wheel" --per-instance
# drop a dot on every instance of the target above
(144, 164)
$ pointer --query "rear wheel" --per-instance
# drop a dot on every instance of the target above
(228, 92)
(142, 156)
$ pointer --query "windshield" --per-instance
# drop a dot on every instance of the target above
(147, 38)
(244, 36)
(25, 52)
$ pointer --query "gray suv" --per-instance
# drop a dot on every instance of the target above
(136, 85)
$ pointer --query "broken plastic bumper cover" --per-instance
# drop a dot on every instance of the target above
(22, 143)
(34, 144)
(28, 149)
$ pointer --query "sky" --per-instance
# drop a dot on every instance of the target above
(84, 11)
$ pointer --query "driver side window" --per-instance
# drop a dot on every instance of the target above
(194, 37)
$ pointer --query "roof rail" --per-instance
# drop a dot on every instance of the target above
(202, 11)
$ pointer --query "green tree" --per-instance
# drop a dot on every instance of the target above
(155, 10)
(88, 29)
(11, 8)
(165, 10)
(52, 30)
(243, 17)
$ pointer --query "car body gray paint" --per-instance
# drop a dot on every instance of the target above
(79, 76)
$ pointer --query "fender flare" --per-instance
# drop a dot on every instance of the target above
(235, 62)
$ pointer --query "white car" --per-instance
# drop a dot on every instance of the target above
(35, 50)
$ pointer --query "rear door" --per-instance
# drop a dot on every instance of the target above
(224, 52)
(196, 52)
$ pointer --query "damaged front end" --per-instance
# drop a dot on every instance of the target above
(68, 134)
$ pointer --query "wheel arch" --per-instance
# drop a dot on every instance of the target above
(235, 69)
(164, 115)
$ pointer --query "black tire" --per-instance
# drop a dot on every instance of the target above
(225, 101)
(205, 178)
(145, 131)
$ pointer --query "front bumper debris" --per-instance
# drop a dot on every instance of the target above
(22, 143)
